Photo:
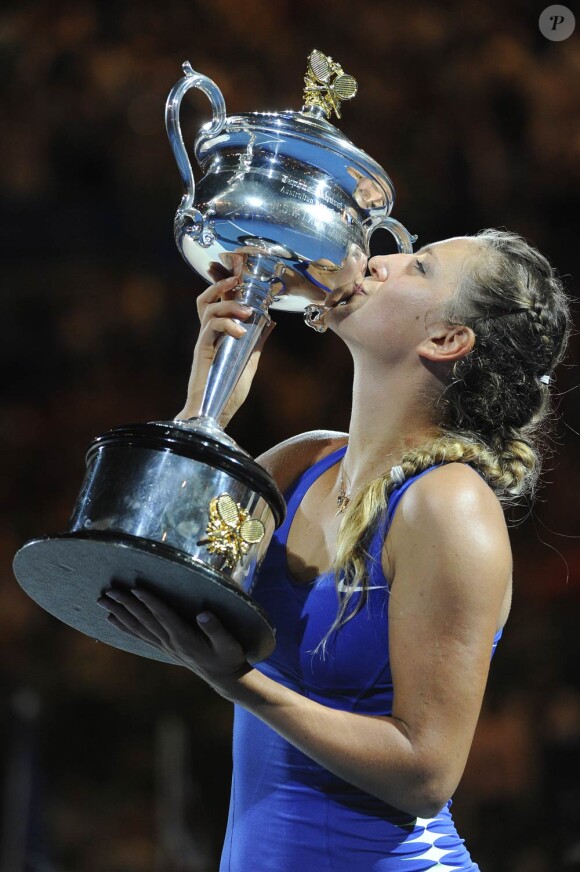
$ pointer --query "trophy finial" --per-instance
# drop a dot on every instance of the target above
(326, 84)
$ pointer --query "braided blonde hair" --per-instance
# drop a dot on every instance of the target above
(493, 409)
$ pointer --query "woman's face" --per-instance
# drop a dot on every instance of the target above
(391, 308)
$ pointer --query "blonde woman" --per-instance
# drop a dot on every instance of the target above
(390, 580)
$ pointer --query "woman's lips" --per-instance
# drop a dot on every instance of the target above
(345, 296)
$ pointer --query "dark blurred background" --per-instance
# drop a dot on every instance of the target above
(112, 763)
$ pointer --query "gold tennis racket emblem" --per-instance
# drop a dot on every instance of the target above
(324, 91)
(231, 531)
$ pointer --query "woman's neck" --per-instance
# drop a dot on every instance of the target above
(387, 417)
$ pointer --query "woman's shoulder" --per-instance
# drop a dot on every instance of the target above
(450, 488)
(452, 508)
(289, 459)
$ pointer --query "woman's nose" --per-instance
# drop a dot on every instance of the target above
(378, 268)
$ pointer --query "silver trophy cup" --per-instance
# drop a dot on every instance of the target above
(178, 507)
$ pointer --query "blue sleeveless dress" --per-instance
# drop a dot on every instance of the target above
(287, 813)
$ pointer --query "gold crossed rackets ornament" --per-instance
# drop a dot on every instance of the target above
(231, 530)
(321, 89)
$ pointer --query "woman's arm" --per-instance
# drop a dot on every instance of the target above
(451, 564)
(451, 561)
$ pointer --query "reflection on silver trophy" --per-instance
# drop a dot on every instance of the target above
(178, 507)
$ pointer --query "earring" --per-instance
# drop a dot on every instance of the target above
(314, 317)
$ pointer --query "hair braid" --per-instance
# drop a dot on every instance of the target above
(541, 324)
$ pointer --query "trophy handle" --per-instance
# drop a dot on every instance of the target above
(191, 79)
(404, 239)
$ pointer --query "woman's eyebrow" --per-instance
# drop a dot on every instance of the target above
(428, 250)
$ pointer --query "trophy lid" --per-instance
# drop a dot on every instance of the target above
(306, 136)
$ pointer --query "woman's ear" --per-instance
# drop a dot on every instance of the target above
(447, 343)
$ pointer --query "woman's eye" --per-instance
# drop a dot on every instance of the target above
(420, 267)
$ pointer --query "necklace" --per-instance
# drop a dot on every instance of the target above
(397, 474)
(343, 499)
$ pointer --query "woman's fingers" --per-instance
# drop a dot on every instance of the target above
(121, 625)
(134, 616)
(217, 308)
(221, 290)
(218, 318)
(202, 645)
(179, 632)
(160, 619)
(220, 639)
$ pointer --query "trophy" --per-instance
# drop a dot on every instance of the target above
(176, 506)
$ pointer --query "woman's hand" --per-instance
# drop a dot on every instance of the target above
(204, 646)
(217, 307)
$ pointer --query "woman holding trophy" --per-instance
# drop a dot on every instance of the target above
(390, 580)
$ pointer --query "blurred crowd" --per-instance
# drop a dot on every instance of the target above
(121, 764)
